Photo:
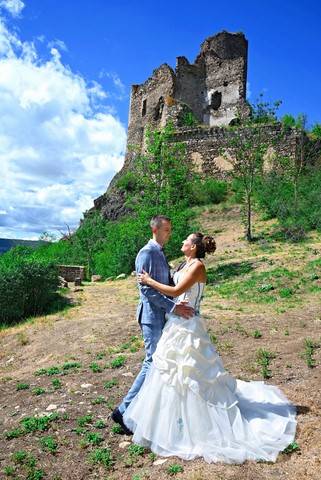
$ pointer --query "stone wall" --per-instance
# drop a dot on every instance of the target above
(71, 272)
(205, 146)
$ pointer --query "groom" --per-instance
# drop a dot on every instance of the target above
(152, 306)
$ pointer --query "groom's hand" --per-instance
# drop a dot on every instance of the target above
(182, 309)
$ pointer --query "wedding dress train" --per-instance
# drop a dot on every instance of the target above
(189, 406)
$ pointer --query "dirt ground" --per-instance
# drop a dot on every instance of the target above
(104, 317)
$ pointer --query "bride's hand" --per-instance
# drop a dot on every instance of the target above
(143, 278)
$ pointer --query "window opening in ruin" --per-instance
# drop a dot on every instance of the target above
(159, 109)
(144, 108)
(216, 100)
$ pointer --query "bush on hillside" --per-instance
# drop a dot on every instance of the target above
(27, 286)
(210, 190)
(127, 236)
(275, 196)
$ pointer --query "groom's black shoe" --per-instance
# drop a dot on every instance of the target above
(118, 418)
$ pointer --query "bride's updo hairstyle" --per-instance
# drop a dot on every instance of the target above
(204, 244)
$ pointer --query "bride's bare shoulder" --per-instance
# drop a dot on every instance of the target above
(198, 270)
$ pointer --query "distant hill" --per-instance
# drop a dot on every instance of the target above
(7, 243)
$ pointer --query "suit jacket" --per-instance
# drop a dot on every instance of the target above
(153, 305)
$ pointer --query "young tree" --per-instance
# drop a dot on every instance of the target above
(245, 151)
(164, 173)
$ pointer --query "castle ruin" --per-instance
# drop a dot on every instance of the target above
(202, 100)
(212, 89)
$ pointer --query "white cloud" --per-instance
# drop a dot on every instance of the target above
(14, 7)
(58, 44)
(120, 88)
(60, 144)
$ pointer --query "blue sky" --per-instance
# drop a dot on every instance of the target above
(65, 75)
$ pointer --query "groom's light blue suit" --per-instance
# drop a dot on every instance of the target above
(151, 309)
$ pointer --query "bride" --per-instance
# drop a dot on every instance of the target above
(189, 406)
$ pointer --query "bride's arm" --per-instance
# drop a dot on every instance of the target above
(191, 277)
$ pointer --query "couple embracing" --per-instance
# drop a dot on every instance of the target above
(183, 402)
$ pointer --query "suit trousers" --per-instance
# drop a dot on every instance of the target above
(151, 335)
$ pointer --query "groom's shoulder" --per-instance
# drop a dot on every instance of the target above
(146, 250)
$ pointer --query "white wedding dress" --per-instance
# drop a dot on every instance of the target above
(189, 406)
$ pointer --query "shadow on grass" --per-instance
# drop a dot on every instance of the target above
(58, 303)
(227, 271)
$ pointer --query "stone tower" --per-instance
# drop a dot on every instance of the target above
(212, 92)
(212, 89)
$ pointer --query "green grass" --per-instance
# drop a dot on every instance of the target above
(38, 391)
(118, 362)
(102, 456)
(268, 287)
(116, 429)
(135, 450)
(256, 334)
(32, 424)
(100, 424)
(22, 386)
(49, 444)
(100, 355)
(56, 383)
(9, 471)
(28, 462)
(71, 365)
(14, 433)
(111, 383)
(95, 367)
(132, 345)
(293, 447)
(174, 469)
(19, 456)
(263, 358)
(84, 420)
(56, 370)
(94, 438)
(48, 371)
(309, 348)
(99, 400)
(35, 474)
(227, 271)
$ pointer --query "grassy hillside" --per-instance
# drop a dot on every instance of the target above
(262, 306)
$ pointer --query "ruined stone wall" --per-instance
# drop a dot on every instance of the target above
(213, 88)
(71, 272)
(205, 146)
(190, 86)
(146, 106)
(224, 59)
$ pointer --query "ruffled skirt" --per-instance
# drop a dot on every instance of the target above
(189, 406)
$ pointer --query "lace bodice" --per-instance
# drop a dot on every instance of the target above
(194, 294)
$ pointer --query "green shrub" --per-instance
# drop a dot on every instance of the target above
(316, 131)
(208, 191)
(27, 286)
(128, 182)
(189, 119)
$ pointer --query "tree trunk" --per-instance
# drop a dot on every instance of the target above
(249, 218)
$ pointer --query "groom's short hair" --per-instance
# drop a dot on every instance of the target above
(157, 220)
